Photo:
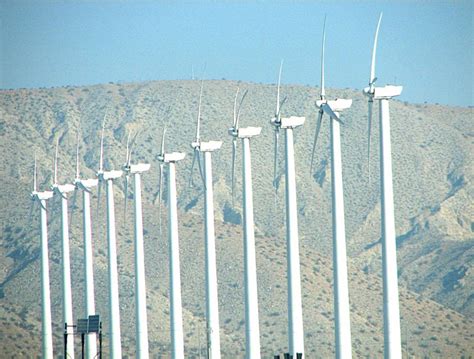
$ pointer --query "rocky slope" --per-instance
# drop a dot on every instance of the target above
(431, 148)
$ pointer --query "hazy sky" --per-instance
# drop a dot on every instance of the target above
(427, 46)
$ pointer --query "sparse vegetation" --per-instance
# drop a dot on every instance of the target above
(433, 193)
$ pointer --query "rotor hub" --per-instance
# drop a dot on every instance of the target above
(276, 121)
(233, 131)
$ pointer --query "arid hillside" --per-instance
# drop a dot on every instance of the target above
(431, 150)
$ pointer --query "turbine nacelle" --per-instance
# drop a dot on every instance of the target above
(86, 184)
(380, 93)
(109, 175)
(334, 107)
(40, 196)
(171, 157)
(64, 188)
(210, 146)
(245, 132)
(137, 168)
(337, 105)
(289, 122)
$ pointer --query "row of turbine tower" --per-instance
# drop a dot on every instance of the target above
(202, 158)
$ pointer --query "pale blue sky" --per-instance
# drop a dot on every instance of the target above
(427, 46)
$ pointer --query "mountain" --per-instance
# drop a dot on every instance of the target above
(431, 150)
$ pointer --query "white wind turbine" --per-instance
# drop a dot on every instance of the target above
(85, 185)
(176, 315)
(141, 325)
(252, 331)
(107, 177)
(392, 339)
(212, 302)
(295, 312)
(61, 191)
(47, 332)
(341, 286)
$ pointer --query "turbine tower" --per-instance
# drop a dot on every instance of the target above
(392, 338)
(295, 312)
(107, 177)
(85, 185)
(141, 326)
(341, 286)
(252, 331)
(61, 191)
(47, 332)
(212, 302)
(176, 315)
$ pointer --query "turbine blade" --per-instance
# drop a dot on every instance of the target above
(278, 88)
(73, 207)
(98, 210)
(56, 162)
(369, 133)
(316, 135)
(34, 175)
(374, 52)
(77, 155)
(235, 107)
(275, 165)
(234, 149)
(326, 108)
(160, 192)
(240, 107)
(127, 162)
(199, 112)
(101, 155)
(275, 158)
(30, 212)
(323, 91)
(281, 105)
(191, 182)
(42, 206)
(125, 198)
(98, 197)
(132, 145)
(167, 117)
(163, 141)
(201, 172)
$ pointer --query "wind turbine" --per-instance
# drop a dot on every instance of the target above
(85, 185)
(176, 315)
(141, 326)
(252, 331)
(341, 286)
(107, 177)
(61, 191)
(392, 339)
(47, 332)
(212, 302)
(295, 311)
